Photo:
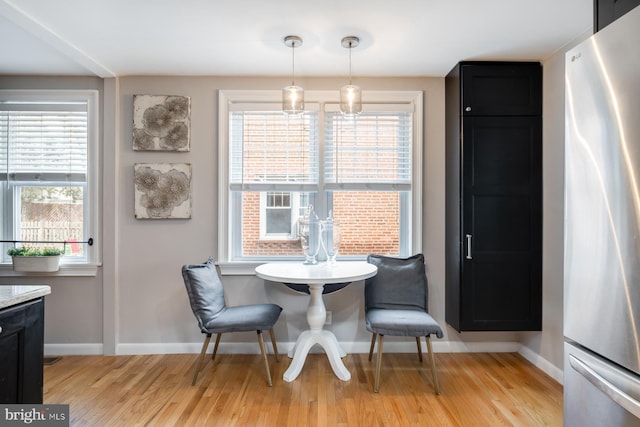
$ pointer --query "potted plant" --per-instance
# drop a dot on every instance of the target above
(27, 259)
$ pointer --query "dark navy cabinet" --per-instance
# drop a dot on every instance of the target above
(21, 352)
(607, 11)
(494, 196)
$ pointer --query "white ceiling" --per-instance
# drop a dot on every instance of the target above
(245, 37)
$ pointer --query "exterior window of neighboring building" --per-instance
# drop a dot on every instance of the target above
(365, 172)
(48, 149)
(278, 215)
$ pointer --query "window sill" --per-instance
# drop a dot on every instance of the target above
(266, 239)
(87, 270)
(239, 268)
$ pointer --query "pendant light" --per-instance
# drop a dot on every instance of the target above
(292, 96)
(350, 95)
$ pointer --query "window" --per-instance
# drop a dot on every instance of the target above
(48, 146)
(278, 215)
(366, 173)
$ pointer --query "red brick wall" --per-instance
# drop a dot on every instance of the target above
(252, 245)
(369, 221)
(268, 154)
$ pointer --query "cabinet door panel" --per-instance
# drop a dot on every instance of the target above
(501, 208)
(501, 294)
(9, 367)
(501, 224)
(501, 151)
(501, 89)
(21, 352)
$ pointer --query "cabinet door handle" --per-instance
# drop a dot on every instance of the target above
(469, 247)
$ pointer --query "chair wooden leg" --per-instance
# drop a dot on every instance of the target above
(215, 347)
(264, 357)
(200, 358)
(373, 344)
(433, 364)
(273, 342)
(419, 349)
(376, 388)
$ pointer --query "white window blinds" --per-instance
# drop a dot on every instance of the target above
(372, 151)
(43, 142)
(271, 150)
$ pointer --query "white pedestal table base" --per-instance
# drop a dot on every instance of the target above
(316, 316)
(316, 276)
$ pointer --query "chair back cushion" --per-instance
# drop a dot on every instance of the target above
(206, 294)
(401, 283)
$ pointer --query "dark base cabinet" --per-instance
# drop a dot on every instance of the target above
(494, 196)
(21, 352)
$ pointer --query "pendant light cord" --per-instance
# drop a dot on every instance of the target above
(293, 61)
(350, 63)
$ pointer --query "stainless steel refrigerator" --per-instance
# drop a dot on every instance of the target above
(602, 228)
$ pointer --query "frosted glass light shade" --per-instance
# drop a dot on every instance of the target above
(350, 100)
(293, 99)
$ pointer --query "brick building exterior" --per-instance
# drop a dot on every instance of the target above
(278, 149)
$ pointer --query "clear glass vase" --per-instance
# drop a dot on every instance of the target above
(331, 237)
(309, 232)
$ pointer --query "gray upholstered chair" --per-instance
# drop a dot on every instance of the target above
(396, 303)
(207, 299)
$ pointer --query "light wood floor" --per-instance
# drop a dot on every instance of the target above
(478, 389)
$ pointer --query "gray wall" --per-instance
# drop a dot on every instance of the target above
(547, 347)
(137, 303)
(151, 252)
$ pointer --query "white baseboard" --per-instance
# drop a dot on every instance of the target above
(390, 346)
(89, 349)
(475, 347)
(179, 348)
(543, 364)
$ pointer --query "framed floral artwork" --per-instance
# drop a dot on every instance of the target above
(162, 190)
(161, 123)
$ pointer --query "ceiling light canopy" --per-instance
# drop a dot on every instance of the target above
(293, 96)
(350, 95)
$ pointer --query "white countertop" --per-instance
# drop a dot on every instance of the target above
(16, 294)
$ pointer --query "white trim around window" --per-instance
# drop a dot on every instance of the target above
(233, 100)
(88, 266)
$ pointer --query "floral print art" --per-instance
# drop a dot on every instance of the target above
(162, 190)
(161, 123)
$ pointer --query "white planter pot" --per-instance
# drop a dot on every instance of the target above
(36, 263)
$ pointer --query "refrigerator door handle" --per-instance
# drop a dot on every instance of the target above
(614, 393)
(469, 237)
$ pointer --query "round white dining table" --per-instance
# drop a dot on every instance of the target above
(316, 276)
